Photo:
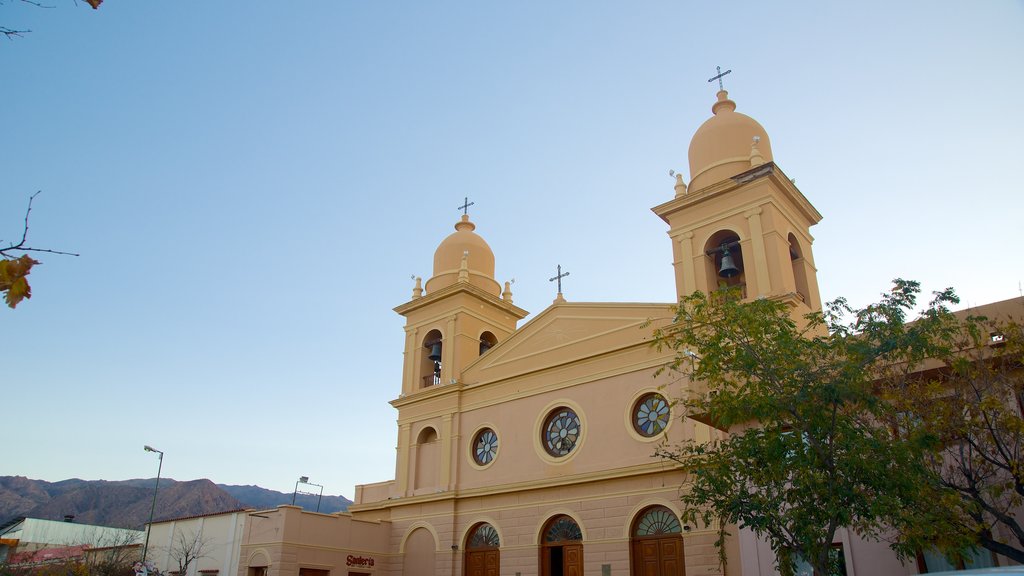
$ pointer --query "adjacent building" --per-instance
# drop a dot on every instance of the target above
(202, 545)
(32, 540)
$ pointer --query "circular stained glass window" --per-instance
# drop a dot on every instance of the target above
(485, 446)
(651, 414)
(561, 431)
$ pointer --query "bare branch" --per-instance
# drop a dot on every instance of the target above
(11, 33)
(22, 245)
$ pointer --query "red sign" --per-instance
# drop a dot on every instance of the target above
(358, 561)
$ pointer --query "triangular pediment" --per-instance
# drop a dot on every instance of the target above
(567, 333)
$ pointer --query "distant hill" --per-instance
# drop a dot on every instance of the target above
(126, 503)
(256, 497)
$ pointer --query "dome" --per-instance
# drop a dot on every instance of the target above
(479, 259)
(721, 146)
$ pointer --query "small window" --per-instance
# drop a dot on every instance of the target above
(563, 529)
(562, 429)
(651, 414)
(484, 536)
(487, 341)
(836, 564)
(657, 521)
(485, 447)
(934, 561)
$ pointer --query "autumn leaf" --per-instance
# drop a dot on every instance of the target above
(12, 279)
(94, 3)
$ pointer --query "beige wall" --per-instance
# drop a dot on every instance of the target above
(220, 534)
(288, 539)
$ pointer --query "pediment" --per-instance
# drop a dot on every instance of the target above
(567, 333)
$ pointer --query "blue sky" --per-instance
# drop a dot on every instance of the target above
(251, 186)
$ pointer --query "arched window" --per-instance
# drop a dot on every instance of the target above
(430, 366)
(657, 521)
(483, 536)
(487, 341)
(562, 529)
(725, 266)
(796, 257)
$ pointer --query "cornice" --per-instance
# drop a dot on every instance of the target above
(768, 170)
(468, 288)
(529, 485)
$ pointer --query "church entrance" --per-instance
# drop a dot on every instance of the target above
(482, 557)
(656, 546)
(561, 552)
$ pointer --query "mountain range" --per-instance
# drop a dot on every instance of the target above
(127, 503)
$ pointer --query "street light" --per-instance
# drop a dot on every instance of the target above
(305, 480)
(149, 525)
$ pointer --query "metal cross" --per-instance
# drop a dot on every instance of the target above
(559, 278)
(719, 77)
(465, 206)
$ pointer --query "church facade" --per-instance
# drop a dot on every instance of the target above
(529, 449)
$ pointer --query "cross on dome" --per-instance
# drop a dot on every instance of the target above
(719, 77)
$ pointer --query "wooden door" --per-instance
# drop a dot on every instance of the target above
(482, 563)
(658, 557)
(572, 558)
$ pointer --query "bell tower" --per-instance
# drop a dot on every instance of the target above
(741, 223)
(463, 313)
(455, 318)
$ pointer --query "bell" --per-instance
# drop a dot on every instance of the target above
(728, 268)
(435, 352)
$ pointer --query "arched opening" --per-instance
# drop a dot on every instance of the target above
(796, 258)
(724, 261)
(482, 556)
(656, 543)
(487, 341)
(430, 365)
(427, 452)
(420, 554)
(561, 551)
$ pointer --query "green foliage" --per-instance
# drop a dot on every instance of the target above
(969, 402)
(807, 448)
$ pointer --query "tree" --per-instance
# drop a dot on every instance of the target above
(186, 549)
(113, 555)
(11, 33)
(970, 401)
(16, 264)
(807, 449)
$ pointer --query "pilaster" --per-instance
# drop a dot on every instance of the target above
(760, 255)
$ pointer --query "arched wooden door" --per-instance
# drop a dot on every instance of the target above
(561, 552)
(656, 546)
(482, 556)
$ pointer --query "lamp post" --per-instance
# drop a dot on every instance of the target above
(149, 525)
(305, 480)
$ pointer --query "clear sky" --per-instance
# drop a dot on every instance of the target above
(252, 184)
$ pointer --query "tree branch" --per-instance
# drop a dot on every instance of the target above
(22, 246)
